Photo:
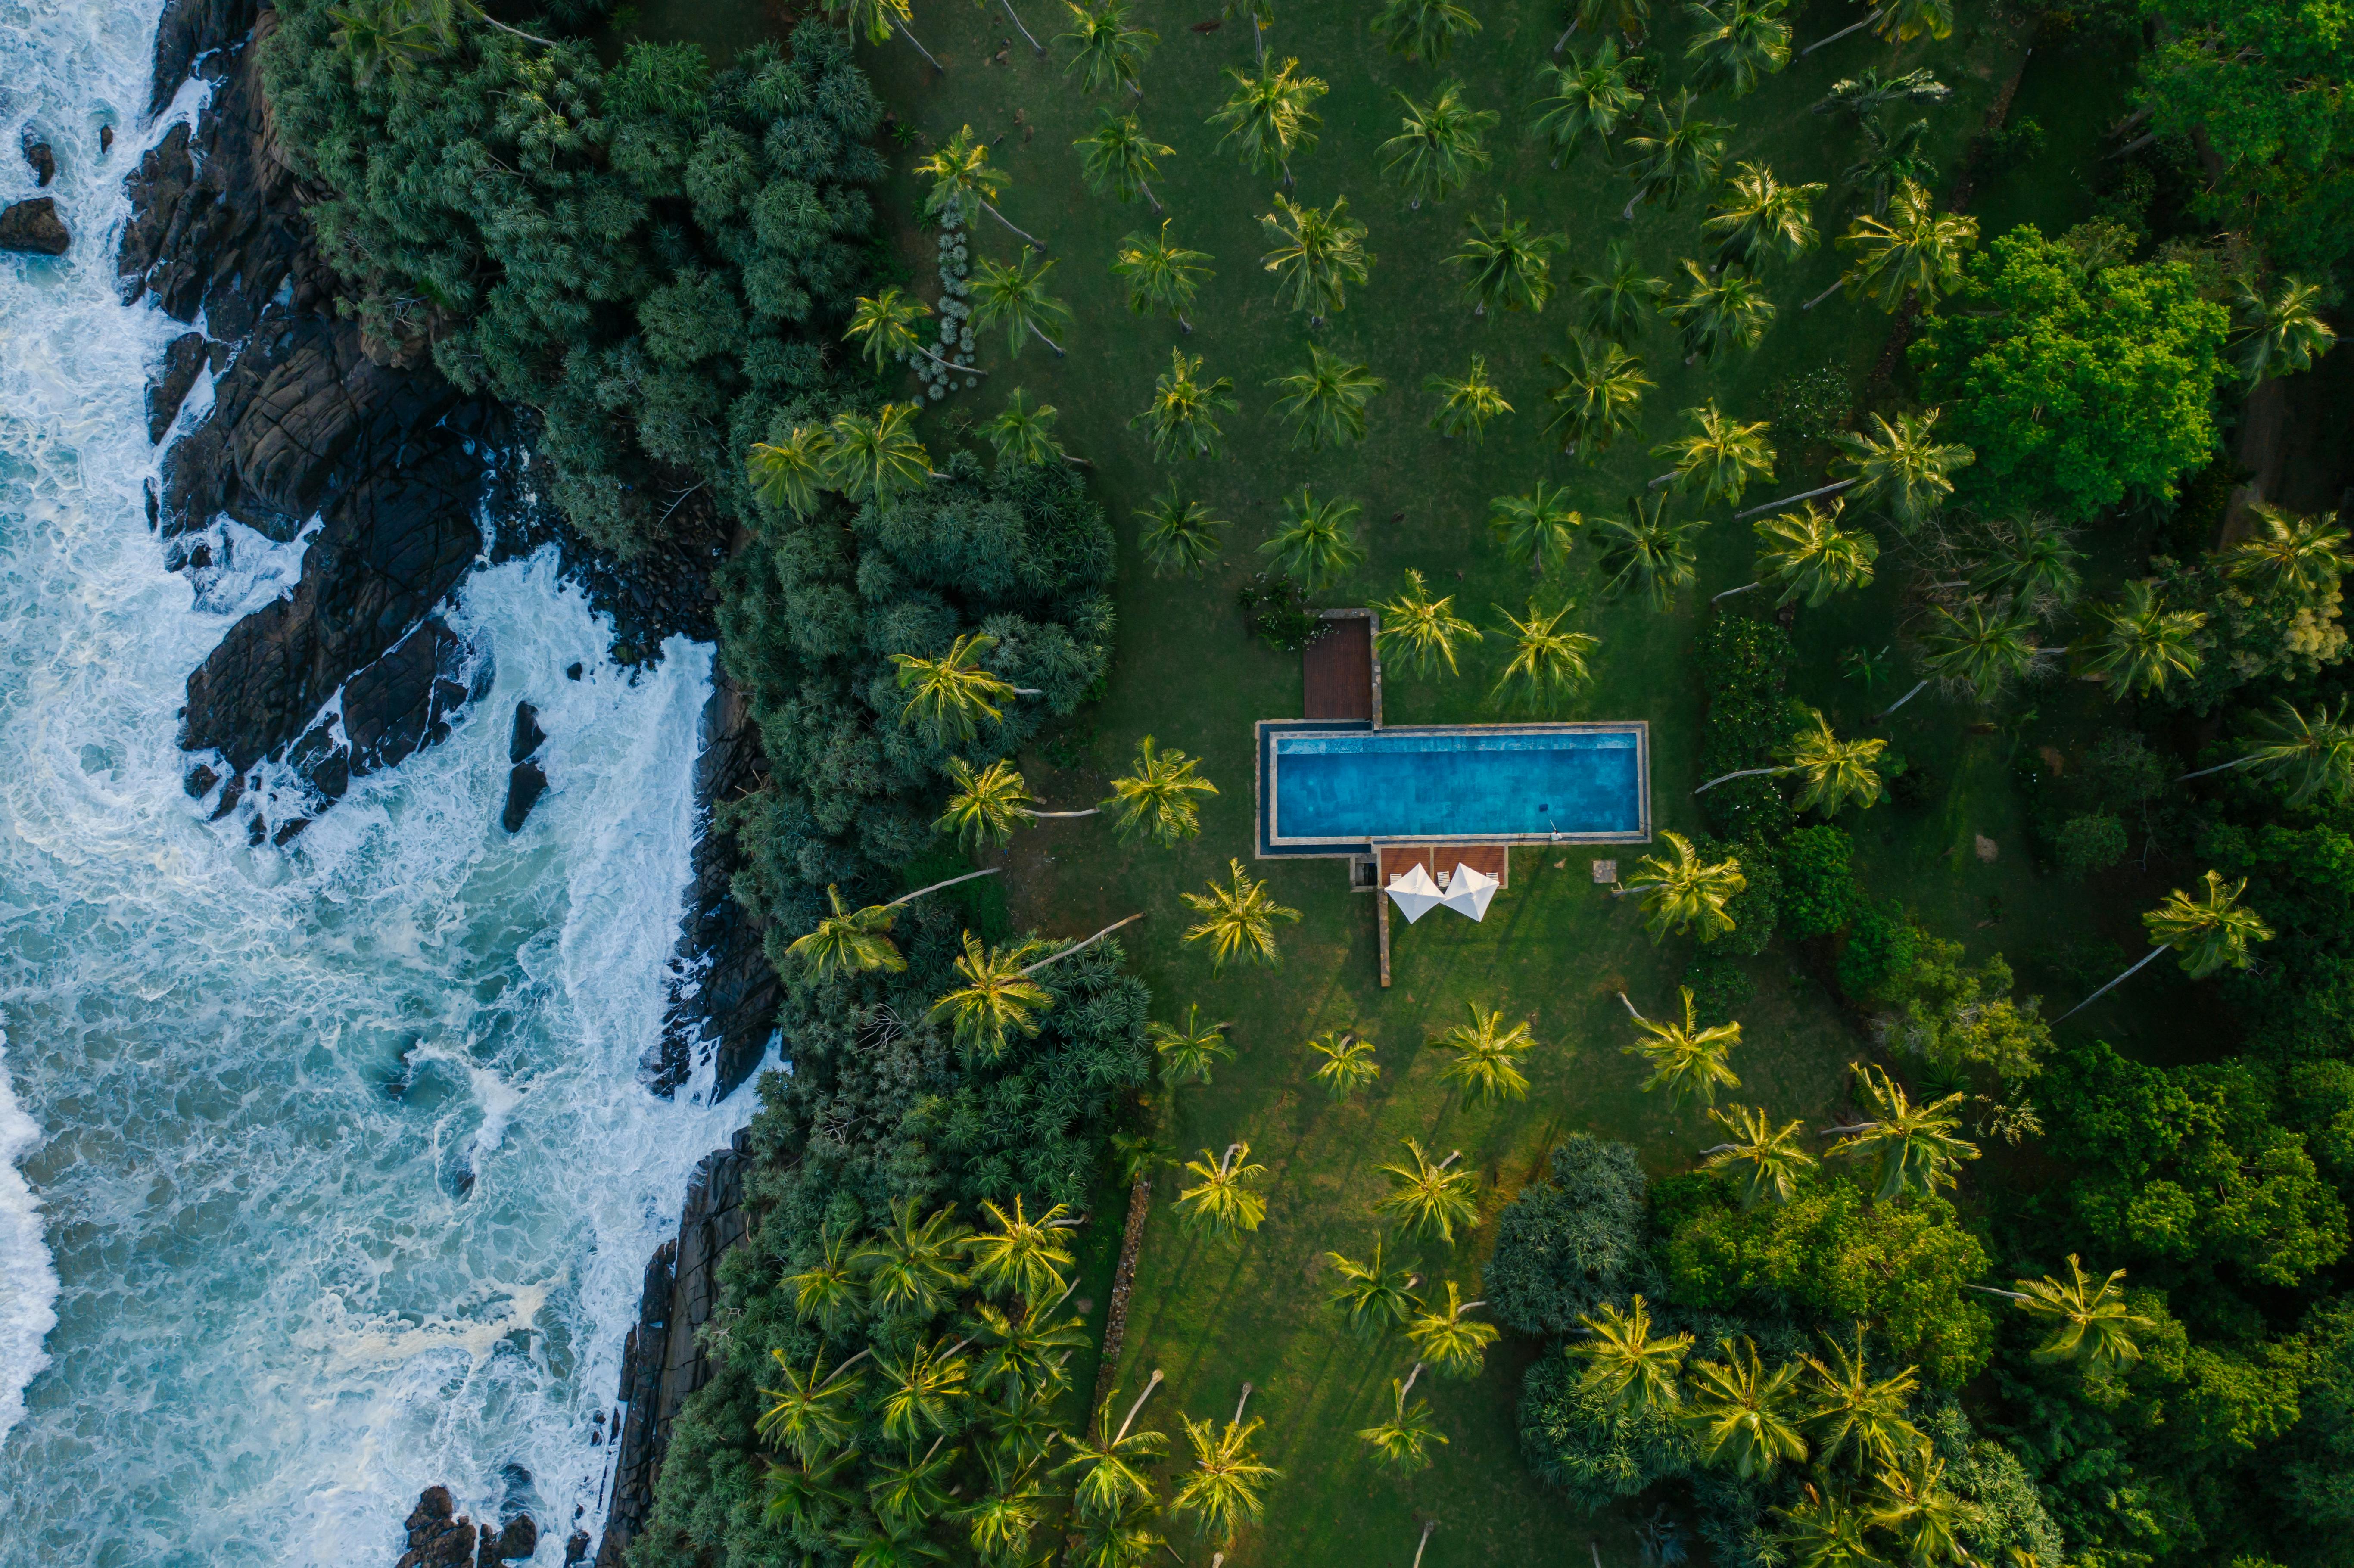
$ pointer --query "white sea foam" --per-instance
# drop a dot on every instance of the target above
(346, 1174)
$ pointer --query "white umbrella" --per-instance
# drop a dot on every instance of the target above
(1469, 892)
(1415, 894)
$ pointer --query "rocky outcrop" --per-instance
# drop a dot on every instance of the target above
(43, 161)
(190, 32)
(33, 228)
(662, 1361)
(436, 1539)
(526, 781)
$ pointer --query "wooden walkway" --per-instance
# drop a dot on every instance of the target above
(1338, 668)
(1439, 860)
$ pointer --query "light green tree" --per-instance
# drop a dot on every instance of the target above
(1548, 664)
(2281, 331)
(1024, 433)
(1919, 1148)
(1190, 1051)
(790, 472)
(1536, 530)
(1428, 1198)
(1719, 459)
(1599, 396)
(1107, 48)
(1316, 254)
(1625, 1363)
(1760, 1159)
(1317, 542)
(2289, 554)
(1224, 1200)
(1737, 43)
(1019, 1255)
(2212, 931)
(1448, 1339)
(815, 1412)
(1237, 920)
(1161, 276)
(1744, 1414)
(1270, 118)
(1439, 145)
(1915, 253)
(1225, 1489)
(1420, 631)
(1180, 536)
(1614, 301)
(1592, 96)
(1424, 29)
(1017, 297)
(963, 178)
(1159, 798)
(1117, 158)
(2316, 755)
(885, 323)
(1643, 552)
(1854, 1415)
(876, 19)
(1728, 309)
(876, 457)
(1810, 556)
(1835, 770)
(1347, 1064)
(1325, 399)
(1508, 265)
(1689, 1062)
(1375, 1297)
(997, 999)
(2142, 645)
(1756, 217)
(1675, 157)
(2089, 1322)
(1183, 416)
(1404, 1440)
(1466, 402)
(1685, 892)
(947, 696)
(1485, 1056)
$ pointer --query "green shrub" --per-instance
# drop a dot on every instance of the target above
(1569, 1243)
(2091, 841)
(1819, 890)
(1882, 943)
(1744, 668)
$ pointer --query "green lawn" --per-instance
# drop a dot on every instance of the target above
(1554, 949)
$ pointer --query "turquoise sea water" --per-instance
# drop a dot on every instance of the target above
(1357, 785)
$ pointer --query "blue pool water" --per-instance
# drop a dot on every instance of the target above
(1348, 787)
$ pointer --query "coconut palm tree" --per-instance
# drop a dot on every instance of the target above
(1420, 631)
(1536, 530)
(876, 19)
(1486, 1056)
(1124, 1539)
(963, 178)
(2090, 1323)
(1810, 556)
(1629, 17)
(1745, 1415)
(984, 807)
(877, 457)
(1027, 1352)
(1451, 1341)
(1912, 1502)
(1269, 117)
(1825, 1530)
(1687, 892)
(1157, 798)
(1835, 770)
(1020, 433)
(1424, 29)
(1592, 95)
(1002, 1519)
(1318, 541)
(2316, 754)
(812, 1493)
(1375, 1297)
(386, 34)
(849, 939)
(886, 324)
(1237, 920)
(1510, 265)
(1899, 467)
(790, 472)
(1686, 1060)
(1644, 553)
(907, 1496)
(1862, 96)
(1898, 22)
(1757, 217)
(1188, 1053)
(1720, 460)
(1762, 1160)
(1182, 415)
(1117, 158)
(1326, 398)
(1982, 649)
(911, 1266)
(2031, 561)
(1404, 1440)
(1108, 1470)
(1600, 394)
(2300, 555)
(2281, 332)
(1440, 144)
(1728, 309)
(1737, 43)
(815, 1412)
(1891, 159)
(1223, 1491)
(1548, 664)
(1466, 402)
(1615, 302)
(826, 1290)
(1918, 1147)
(920, 1389)
(997, 996)
(1022, 1256)
(1430, 1199)
(1161, 276)
(1348, 1062)
(2143, 644)
(1180, 536)
(1017, 296)
(1918, 255)
(1851, 1413)
(946, 695)
(1222, 1200)
(2211, 931)
(1107, 48)
(1625, 1363)
(1675, 156)
(1317, 253)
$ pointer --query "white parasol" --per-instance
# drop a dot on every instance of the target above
(1469, 892)
(1415, 894)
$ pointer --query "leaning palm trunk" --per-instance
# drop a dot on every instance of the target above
(1744, 587)
(1831, 489)
(1843, 32)
(1840, 282)
(1902, 700)
(1427, 1526)
(2113, 985)
(1091, 812)
(1136, 1406)
(935, 887)
(518, 32)
(1729, 778)
(1009, 223)
(1091, 941)
(937, 68)
(2219, 767)
(1049, 342)
(1025, 31)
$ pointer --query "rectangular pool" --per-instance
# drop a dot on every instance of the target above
(1335, 790)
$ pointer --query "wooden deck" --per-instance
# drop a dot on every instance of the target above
(1338, 668)
(1439, 860)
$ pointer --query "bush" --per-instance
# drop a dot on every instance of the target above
(2091, 841)
(1819, 890)
(1276, 609)
(1744, 668)
(1570, 1241)
(1719, 986)
(1753, 910)
(1882, 943)
(1573, 1439)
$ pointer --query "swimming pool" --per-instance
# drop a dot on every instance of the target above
(1327, 789)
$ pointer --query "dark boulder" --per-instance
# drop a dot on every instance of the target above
(520, 1538)
(189, 31)
(43, 161)
(435, 1538)
(526, 738)
(34, 227)
(181, 362)
(526, 784)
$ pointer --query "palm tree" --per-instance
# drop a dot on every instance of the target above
(1899, 467)
(1027, 1353)
(1318, 253)
(1510, 265)
(1451, 1341)
(919, 1390)
(1180, 535)
(1348, 1064)
(1721, 460)
(1002, 1519)
(1487, 1057)
(812, 1493)
(1118, 157)
(1466, 402)
(1738, 42)
(2211, 931)
(1022, 1256)
(1891, 159)
(2300, 555)
(1982, 649)
(1105, 48)
(1326, 399)
(1124, 1539)
(1613, 301)
(997, 996)
(1917, 256)
(1440, 144)
(1161, 276)
(1864, 96)
(1110, 1476)
(1188, 1053)
(373, 34)
(1548, 664)
(1763, 1161)
(1825, 1530)
(1834, 770)
(2144, 644)
(911, 1266)
(886, 323)
(1424, 29)
(1743, 1413)
(1022, 434)
(1017, 296)
(1913, 1504)
(1850, 1411)
(1269, 119)
(1629, 17)
(2318, 753)
(1182, 415)
(1430, 1199)
(1222, 1201)
(1223, 1490)
(877, 18)
(2281, 333)
(1810, 556)
(1237, 920)
(1592, 95)
(1688, 892)
(849, 939)
(1918, 1147)
(946, 694)
(1625, 1363)
(1419, 631)
(1644, 553)
(1536, 529)
(963, 178)
(1318, 540)
(878, 457)
(815, 1412)
(1600, 394)
(1686, 1060)
(984, 807)
(1899, 22)
(1726, 309)
(2090, 1323)
(1676, 156)
(1758, 217)
(2033, 562)
(1376, 1299)
(791, 472)
(1157, 797)
(826, 1291)
(1404, 1440)
(906, 1497)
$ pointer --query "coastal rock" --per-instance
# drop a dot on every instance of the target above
(527, 782)
(519, 1538)
(189, 31)
(43, 161)
(182, 362)
(525, 738)
(435, 1538)
(34, 227)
